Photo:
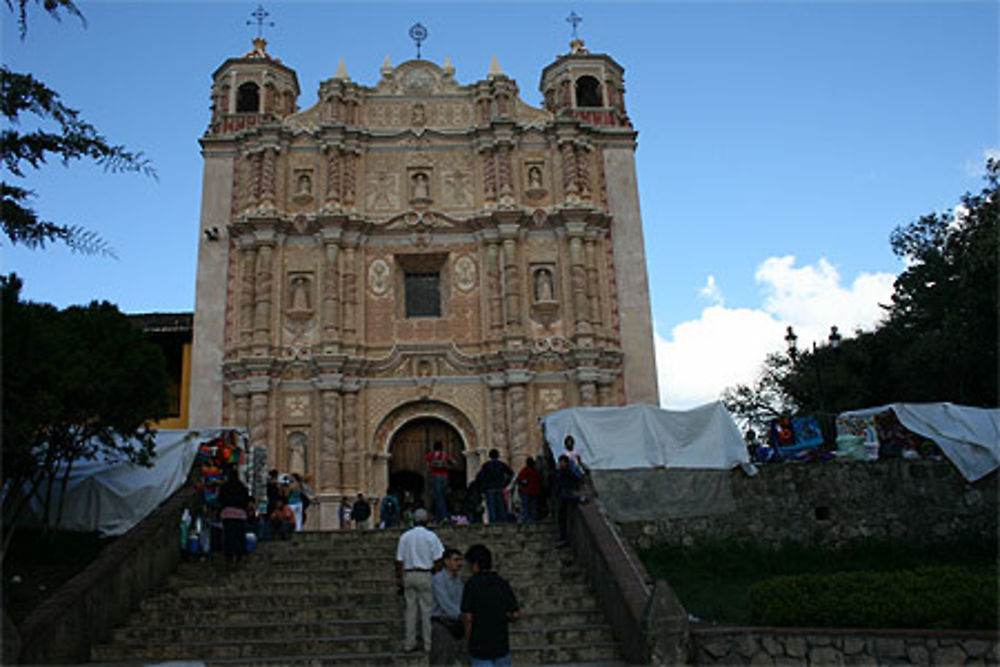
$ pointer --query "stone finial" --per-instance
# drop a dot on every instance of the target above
(495, 70)
(386, 67)
(449, 69)
(576, 46)
(259, 49)
(342, 72)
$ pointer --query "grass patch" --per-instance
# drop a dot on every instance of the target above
(714, 580)
(35, 566)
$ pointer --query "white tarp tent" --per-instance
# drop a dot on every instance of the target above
(111, 497)
(644, 436)
(969, 437)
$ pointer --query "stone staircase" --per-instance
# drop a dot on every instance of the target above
(330, 599)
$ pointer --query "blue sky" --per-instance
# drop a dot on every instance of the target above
(779, 143)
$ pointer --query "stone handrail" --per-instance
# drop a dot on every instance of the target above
(89, 606)
(646, 618)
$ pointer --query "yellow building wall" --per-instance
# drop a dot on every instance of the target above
(181, 421)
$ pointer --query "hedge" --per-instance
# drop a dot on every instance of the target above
(932, 597)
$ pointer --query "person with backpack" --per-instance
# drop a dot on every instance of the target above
(389, 510)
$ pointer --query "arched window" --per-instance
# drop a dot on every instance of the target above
(588, 92)
(248, 98)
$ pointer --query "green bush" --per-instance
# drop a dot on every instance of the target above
(931, 597)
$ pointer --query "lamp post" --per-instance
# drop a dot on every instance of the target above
(833, 341)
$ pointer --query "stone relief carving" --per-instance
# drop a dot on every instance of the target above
(378, 277)
(297, 406)
(383, 191)
(458, 188)
(550, 399)
(298, 452)
(544, 290)
(420, 188)
(465, 273)
(300, 294)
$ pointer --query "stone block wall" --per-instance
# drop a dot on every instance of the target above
(784, 646)
(833, 503)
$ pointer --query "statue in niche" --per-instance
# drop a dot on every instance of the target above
(418, 115)
(421, 185)
(304, 187)
(543, 285)
(297, 456)
(534, 177)
(300, 299)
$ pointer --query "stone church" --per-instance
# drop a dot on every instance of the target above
(416, 261)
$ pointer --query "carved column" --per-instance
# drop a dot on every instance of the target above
(578, 277)
(518, 426)
(330, 454)
(489, 175)
(241, 407)
(593, 283)
(569, 169)
(268, 177)
(333, 181)
(331, 291)
(582, 162)
(588, 394)
(505, 171)
(512, 283)
(262, 297)
(254, 166)
(248, 268)
(494, 290)
(350, 278)
(352, 455)
(350, 177)
(258, 420)
(498, 418)
(607, 394)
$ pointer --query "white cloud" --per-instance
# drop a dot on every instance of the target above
(726, 346)
(711, 291)
(975, 168)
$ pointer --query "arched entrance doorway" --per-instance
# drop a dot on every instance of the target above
(408, 461)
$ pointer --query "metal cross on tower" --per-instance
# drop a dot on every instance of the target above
(574, 19)
(259, 15)
(418, 33)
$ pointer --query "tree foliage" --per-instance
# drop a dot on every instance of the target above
(938, 342)
(78, 384)
(58, 132)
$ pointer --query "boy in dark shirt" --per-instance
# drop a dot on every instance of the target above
(488, 605)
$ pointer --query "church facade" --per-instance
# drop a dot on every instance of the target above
(413, 262)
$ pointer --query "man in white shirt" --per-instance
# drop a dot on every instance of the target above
(446, 611)
(418, 555)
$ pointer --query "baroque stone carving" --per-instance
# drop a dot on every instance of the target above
(378, 277)
(330, 454)
(383, 191)
(465, 273)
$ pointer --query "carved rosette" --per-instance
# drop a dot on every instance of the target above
(330, 454)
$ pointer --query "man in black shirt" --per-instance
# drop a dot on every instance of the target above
(488, 605)
(493, 477)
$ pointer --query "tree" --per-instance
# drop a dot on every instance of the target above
(78, 384)
(70, 139)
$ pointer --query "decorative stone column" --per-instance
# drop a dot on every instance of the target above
(512, 283)
(569, 169)
(254, 167)
(350, 177)
(578, 280)
(588, 394)
(593, 283)
(268, 178)
(350, 277)
(351, 480)
(494, 294)
(607, 394)
(262, 297)
(331, 290)
(241, 405)
(330, 453)
(333, 180)
(248, 269)
(259, 415)
(498, 415)
(489, 175)
(518, 425)
(582, 163)
(505, 171)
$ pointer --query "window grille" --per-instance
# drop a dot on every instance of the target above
(423, 294)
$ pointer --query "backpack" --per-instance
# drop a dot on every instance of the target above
(390, 509)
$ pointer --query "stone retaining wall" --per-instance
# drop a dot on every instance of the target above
(809, 646)
(832, 503)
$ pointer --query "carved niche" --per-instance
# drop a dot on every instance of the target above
(544, 299)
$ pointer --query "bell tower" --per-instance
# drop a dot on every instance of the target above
(254, 89)
(587, 86)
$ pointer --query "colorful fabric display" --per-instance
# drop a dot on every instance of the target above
(781, 434)
(806, 434)
(864, 427)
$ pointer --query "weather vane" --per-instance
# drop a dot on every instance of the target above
(575, 20)
(259, 15)
(418, 33)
